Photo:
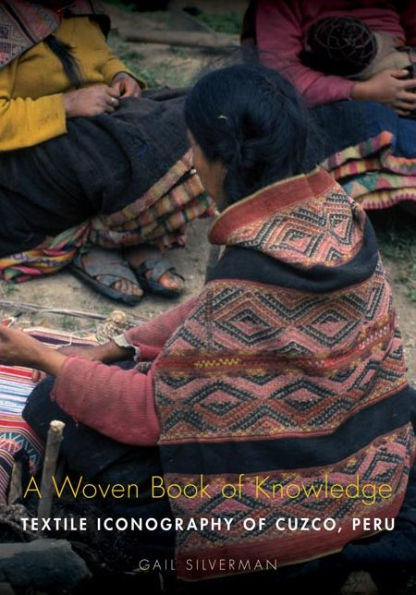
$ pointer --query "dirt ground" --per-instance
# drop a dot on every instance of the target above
(65, 292)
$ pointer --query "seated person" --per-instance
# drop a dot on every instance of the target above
(360, 50)
(341, 39)
(287, 367)
(85, 158)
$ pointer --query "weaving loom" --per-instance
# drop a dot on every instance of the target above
(15, 386)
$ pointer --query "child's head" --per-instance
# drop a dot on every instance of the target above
(249, 129)
(342, 46)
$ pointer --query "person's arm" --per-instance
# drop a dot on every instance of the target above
(149, 338)
(25, 122)
(279, 40)
(143, 342)
(389, 87)
(117, 403)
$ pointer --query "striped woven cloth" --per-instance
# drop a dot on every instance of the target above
(369, 150)
(372, 174)
(15, 434)
(158, 217)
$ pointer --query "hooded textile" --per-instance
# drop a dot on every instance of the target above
(288, 372)
(23, 24)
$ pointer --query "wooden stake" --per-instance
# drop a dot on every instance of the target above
(53, 443)
(15, 491)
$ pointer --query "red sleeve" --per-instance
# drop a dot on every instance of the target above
(117, 403)
(279, 40)
(408, 21)
(151, 336)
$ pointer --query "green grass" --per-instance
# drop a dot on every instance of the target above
(162, 73)
(106, 310)
(133, 60)
(68, 323)
(161, 17)
(180, 52)
(9, 288)
(227, 21)
(166, 72)
(396, 237)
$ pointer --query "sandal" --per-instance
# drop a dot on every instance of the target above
(110, 268)
(150, 283)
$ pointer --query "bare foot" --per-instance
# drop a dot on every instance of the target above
(122, 285)
(125, 286)
(136, 255)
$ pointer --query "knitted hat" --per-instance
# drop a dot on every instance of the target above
(339, 45)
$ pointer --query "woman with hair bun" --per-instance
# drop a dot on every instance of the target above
(286, 370)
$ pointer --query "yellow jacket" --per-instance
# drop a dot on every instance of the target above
(32, 86)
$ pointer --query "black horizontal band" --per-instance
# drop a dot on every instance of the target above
(253, 456)
(251, 265)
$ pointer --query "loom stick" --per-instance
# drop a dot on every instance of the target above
(53, 444)
(65, 312)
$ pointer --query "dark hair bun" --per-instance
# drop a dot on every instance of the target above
(252, 119)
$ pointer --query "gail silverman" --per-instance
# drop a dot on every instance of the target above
(218, 564)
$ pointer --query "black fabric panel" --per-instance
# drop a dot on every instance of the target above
(291, 453)
(100, 166)
(252, 265)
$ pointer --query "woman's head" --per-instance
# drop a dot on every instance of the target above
(248, 128)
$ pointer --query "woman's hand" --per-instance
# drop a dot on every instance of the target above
(390, 88)
(19, 349)
(91, 101)
(126, 85)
